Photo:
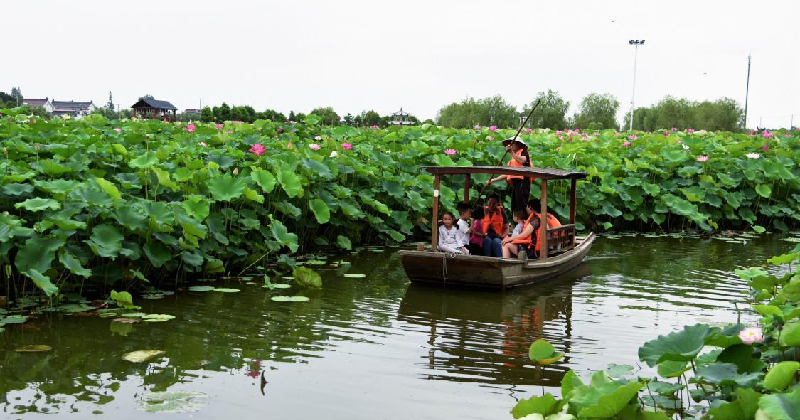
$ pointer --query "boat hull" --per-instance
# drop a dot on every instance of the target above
(478, 271)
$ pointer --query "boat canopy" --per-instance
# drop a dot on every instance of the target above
(541, 173)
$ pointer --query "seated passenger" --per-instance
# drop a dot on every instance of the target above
(476, 232)
(464, 211)
(495, 226)
(449, 238)
(513, 244)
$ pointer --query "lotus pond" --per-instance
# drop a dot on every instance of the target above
(369, 344)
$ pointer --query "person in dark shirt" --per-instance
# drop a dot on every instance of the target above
(520, 186)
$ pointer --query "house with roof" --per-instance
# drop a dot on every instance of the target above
(72, 108)
(45, 103)
(151, 108)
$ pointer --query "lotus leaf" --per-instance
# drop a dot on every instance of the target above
(264, 179)
(106, 241)
(145, 160)
(307, 277)
(790, 336)
(355, 275)
(200, 288)
(173, 402)
(678, 346)
(223, 290)
(140, 356)
(781, 406)
(344, 242)
(725, 374)
(290, 183)
(13, 319)
(38, 204)
(321, 210)
(542, 352)
(281, 234)
(157, 317)
(544, 405)
(35, 348)
(781, 375)
(226, 188)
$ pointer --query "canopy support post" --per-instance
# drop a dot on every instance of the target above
(543, 222)
(435, 218)
(467, 183)
(572, 202)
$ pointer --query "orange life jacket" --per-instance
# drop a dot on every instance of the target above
(513, 162)
(494, 220)
(525, 240)
(552, 222)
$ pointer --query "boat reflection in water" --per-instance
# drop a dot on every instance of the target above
(484, 336)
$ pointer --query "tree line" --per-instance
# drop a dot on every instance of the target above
(327, 115)
(596, 111)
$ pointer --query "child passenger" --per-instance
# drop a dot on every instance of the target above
(449, 238)
(476, 232)
(464, 211)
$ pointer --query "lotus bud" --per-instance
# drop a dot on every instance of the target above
(36, 147)
(236, 171)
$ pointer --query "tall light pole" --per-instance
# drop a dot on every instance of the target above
(746, 91)
(635, 43)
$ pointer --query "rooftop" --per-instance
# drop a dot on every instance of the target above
(153, 103)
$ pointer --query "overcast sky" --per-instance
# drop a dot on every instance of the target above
(419, 55)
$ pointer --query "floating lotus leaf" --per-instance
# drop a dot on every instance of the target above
(153, 296)
(173, 402)
(140, 356)
(33, 348)
(223, 290)
(355, 275)
(307, 277)
(289, 299)
(157, 317)
(126, 320)
(200, 288)
(133, 315)
(13, 319)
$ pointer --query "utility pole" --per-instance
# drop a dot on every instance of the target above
(747, 91)
(635, 43)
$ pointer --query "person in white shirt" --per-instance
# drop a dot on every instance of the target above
(449, 237)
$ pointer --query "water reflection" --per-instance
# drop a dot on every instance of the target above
(483, 336)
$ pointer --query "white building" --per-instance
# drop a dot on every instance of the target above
(45, 103)
(72, 108)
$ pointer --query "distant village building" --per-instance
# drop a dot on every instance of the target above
(401, 118)
(191, 111)
(154, 109)
(72, 108)
(45, 103)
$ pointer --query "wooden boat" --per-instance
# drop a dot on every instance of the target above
(561, 249)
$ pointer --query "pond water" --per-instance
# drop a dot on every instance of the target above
(375, 347)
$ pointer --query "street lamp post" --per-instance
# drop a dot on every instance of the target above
(635, 43)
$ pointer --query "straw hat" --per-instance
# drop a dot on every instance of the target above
(521, 142)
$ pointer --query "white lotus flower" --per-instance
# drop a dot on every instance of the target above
(753, 155)
(685, 147)
(334, 153)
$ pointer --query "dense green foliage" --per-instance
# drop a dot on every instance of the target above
(143, 200)
(597, 111)
(723, 114)
(551, 113)
(492, 111)
(732, 372)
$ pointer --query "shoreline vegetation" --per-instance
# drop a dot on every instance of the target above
(101, 204)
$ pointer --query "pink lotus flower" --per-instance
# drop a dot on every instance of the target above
(765, 147)
(702, 158)
(767, 134)
(490, 138)
(229, 132)
(190, 128)
(258, 149)
(632, 137)
(558, 149)
(289, 145)
(674, 129)
(561, 138)
(204, 144)
(690, 130)
(313, 146)
(666, 133)
(528, 131)
(347, 146)
(218, 126)
(374, 127)
(558, 132)
(751, 335)
(450, 152)
(577, 130)
(477, 127)
(787, 135)
(118, 130)
(493, 128)
(626, 144)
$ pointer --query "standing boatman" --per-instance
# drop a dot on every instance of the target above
(520, 186)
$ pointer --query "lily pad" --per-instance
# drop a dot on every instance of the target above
(14, 319)
(355, 275)
(307, 277)
(542, 352)
(140, 356)
(289, 298)
(133, 315)
(33, 348)
(223, 290)
(125, 320)
(153, 296)
(173, 402)
(201, 288)
(157, 317)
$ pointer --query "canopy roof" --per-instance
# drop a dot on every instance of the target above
(542, 173)
(153, 103)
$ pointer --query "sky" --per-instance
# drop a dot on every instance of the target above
(418, 55)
